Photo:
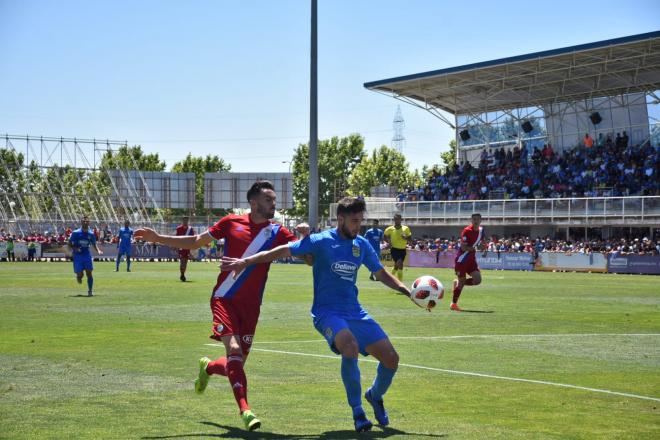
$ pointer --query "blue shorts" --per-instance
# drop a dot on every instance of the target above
(365, 329)
(124, 251)
(82, 262)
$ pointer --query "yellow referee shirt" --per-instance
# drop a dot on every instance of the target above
(398, 237)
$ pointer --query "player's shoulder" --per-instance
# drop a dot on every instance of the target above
(362, 241)
(236, 218)
(389, 229)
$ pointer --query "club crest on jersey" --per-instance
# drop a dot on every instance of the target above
(328, 333)
(356, 251)
(248, 339)
(219, 328)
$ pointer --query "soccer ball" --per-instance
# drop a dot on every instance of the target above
(427, 291)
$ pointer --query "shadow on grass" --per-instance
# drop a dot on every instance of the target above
(476, 311)
(235, 432)
(80, 295)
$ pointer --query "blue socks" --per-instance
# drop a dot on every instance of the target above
(382, 381)
(118, 261)
(128, 262)
(350, 375)
(90, 283)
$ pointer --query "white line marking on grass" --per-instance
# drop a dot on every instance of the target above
(561, 335)
(467, 373)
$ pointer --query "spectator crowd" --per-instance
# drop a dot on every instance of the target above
(603, 168)
(521, 243)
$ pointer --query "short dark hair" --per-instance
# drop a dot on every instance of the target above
(350, 205)
(257, 187)
(376, 220)
(476, 214)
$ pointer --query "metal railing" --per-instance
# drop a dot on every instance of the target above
(610, 210)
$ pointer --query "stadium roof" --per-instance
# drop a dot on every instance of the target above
(605, 68)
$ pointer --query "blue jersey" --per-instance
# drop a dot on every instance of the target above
(336, 263)
(374, 236)
(81, 241)
(125, 235)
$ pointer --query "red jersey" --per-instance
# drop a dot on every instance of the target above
(185, 230)
(242, 239)
(472, 237)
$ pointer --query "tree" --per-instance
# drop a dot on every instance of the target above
(199, 166)
(385, 166)
(131, 158)
(337, 157)
(449, 157)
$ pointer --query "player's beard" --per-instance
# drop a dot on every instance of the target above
(266, 212)
(347, 233)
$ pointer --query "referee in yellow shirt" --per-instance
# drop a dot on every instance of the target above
(397, 237)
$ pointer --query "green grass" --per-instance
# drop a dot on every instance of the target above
(122, 364)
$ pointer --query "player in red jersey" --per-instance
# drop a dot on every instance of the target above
(184, 254)
(465, 263)
(236, 303)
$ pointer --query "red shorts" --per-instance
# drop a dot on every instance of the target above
(465, 268)
(234, 319)
(184, 253)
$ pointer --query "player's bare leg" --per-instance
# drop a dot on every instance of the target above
(389, 362)
(79, 277)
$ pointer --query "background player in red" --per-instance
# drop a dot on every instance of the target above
(236, 302)
(184, 254)
(465, 263)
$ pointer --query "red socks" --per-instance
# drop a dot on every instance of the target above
(218, 366)
(457, 294)
(237, 380)
(457, 290)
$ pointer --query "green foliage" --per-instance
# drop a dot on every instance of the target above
(199, 166)
(337, 157)
(385, 166)
(449, 157)
(132, 158)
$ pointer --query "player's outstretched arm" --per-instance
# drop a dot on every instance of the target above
(180, 241)
(237, 265)
(392, 282)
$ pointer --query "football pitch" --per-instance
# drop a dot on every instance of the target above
(536, 356)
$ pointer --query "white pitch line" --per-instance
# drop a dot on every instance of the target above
(558, 335)
(468, 373)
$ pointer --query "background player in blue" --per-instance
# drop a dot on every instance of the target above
(374, 236)
(336, 312)
(124, 245)
(80, 241)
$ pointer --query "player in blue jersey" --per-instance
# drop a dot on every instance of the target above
(374, 236)
(79, 242)
(336, 312)
(124, 245)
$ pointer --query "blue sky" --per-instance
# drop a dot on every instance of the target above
(232, 78)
